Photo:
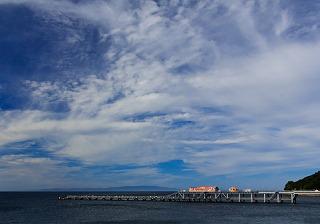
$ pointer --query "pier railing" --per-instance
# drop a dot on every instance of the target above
(180, 196)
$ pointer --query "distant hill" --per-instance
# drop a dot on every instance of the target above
(123, 188)
(311, 182)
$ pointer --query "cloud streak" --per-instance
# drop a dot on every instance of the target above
(209, 84)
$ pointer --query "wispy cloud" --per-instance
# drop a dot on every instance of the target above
(211, 84)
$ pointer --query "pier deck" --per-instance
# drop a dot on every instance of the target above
(238, 197)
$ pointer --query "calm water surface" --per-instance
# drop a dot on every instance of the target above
(45, 208)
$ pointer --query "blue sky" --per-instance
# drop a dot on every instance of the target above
(169, 93)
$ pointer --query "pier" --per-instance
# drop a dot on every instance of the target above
(209, 197)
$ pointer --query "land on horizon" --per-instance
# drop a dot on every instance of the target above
(110, 189)
(311, 182)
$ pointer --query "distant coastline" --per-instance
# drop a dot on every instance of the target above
(112, 189)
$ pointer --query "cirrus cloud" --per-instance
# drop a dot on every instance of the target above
(210, 84)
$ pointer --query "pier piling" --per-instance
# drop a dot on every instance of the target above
(208, 197)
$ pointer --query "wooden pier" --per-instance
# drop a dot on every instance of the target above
(212, 197)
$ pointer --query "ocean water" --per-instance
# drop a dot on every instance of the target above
(45, 208)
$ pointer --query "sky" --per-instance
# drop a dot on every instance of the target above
(176, 93)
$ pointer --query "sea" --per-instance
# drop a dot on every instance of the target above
(44, 207)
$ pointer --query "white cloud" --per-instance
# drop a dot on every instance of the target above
(20, 172)
(267, 84)
(284, 23)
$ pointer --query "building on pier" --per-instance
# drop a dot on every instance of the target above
(233, 189)
(204, 189)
